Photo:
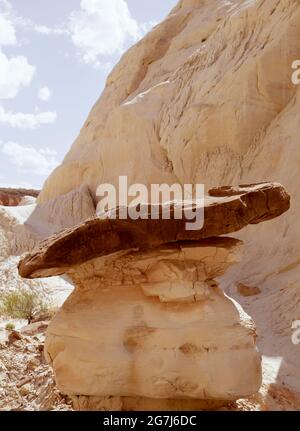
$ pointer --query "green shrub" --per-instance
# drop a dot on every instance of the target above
(10, 327)
(23, 304)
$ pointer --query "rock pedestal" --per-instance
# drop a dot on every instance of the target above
(148, 326)
(155, 325)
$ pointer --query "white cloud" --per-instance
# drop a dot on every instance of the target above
(43, 29)
(102, 27)
(7, 31)
(21, 120)
(16, 73)
(5, 7)
(44, 94)
(29, 159)
(27, 24)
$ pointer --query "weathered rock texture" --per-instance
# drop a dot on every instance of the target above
(26, 380)
(148, 320)
(231, 212)
(207, 97)
(155, 325)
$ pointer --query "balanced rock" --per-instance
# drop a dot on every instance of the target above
(148, 319)
(97, 237)
(207, 97)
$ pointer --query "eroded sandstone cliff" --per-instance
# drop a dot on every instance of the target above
(207, 97)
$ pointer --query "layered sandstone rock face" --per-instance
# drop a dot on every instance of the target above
(148, 319)
(207, 97)
(154, 325)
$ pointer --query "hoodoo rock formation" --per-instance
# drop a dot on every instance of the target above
(205, 98)
(234, 209)
(148, 320)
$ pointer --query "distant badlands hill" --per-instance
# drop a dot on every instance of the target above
(12, 197)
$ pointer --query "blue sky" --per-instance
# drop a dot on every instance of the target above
(54, 58)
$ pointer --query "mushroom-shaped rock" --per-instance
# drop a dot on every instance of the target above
(148, 319)
(100, 237)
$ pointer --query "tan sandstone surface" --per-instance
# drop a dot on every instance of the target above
(205, 97)
(147, 320)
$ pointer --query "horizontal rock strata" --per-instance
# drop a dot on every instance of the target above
(155, 325)
(148, 319)
(98, 237)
